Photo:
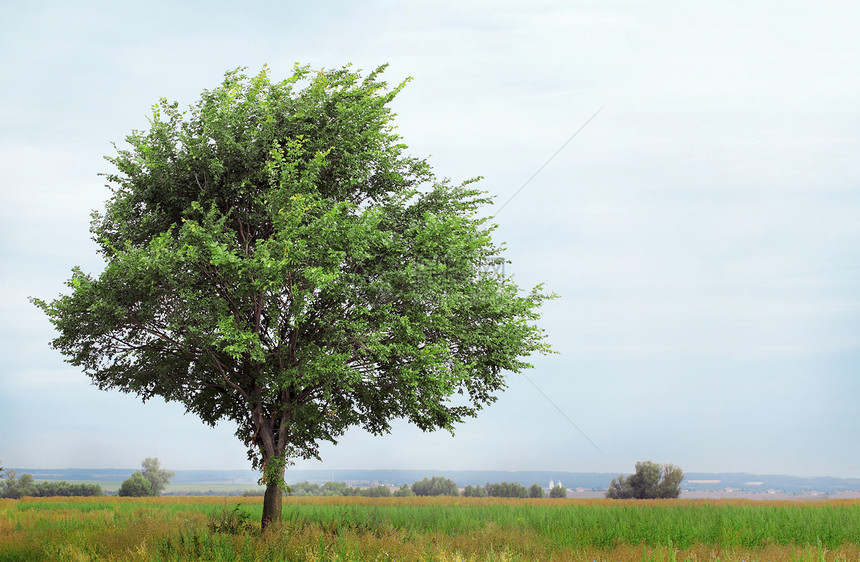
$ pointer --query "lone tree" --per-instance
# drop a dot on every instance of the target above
(274, 258)
(158, 477)
(650, 481)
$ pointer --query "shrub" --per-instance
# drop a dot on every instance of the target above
(236, 522)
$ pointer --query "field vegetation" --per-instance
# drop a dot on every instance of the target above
(427, 528)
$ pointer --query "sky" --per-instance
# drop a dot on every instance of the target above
(702, 229)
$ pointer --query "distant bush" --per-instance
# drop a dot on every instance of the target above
(536, 491)
(436, 486)
(558, 491)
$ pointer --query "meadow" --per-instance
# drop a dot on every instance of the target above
(338, 528)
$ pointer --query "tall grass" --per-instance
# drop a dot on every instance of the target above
(336, 528)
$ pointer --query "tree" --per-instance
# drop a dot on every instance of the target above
(436, 486)
(558, 491)
(507, 490)
(27, 485)
(136, 486)
(15, 487)
(403, 492)
(158, 478)
(650, 481)
(376, 492)
(536, 491)
(474, 492)
(274, 258)
(333, 488)
(10, 483)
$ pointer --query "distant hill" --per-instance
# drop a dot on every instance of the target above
(694, 481)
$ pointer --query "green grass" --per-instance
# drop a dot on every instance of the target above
(427, 529)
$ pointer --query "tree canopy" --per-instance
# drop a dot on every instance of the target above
(135, 486)
(650, 481)
(436, 486)
(474, 491)
(158, 477)
(506, 490)
(536, 491)
(273, 257)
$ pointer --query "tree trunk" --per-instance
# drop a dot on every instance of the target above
(272, 501)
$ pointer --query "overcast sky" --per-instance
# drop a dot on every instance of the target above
(702, 230)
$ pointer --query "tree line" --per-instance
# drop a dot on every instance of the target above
(15, 488)
(649, 481)
(435, 486)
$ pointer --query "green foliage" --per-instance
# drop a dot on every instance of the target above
(536, 491)
(650, 481)
(558, 491)
(158, 478)
(474, 492)
(436, 486)
(506, 490)
(275, 258)
(135, 486)
(273, 474)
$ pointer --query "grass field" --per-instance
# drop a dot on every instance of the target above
(338, 528)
